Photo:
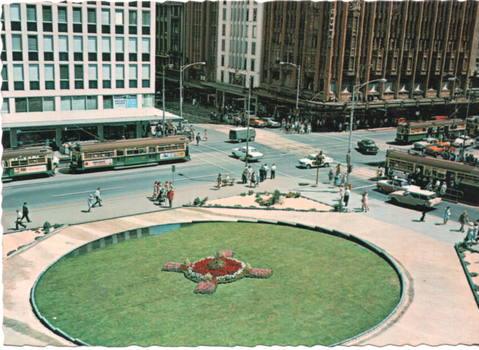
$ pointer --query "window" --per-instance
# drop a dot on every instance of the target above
(4, 78)
(62, 20)
(63, 47)
(133, 22)
(66, 103)
(91, 102)
(34, 73)
(78, 103)
(49, 77)
(92, 52)
(17, 50)
(64, 77)
(47, 18)
(105, 48)
(247, 16)
(18, 80)
(252, 65)
(91, 18)
(93, 76)
(49, 104)
(254, 31)
(245, 47)
(35, 104)
(5, 106)
(246, 31)
(4, 48)
(106, 76)
(224, 14)
(145, 4)
(48, 47)
(133, 76)
(119, 49)
(145, 49)
(133, 49)
(253, 48)
(145, 76)
(145, 22)
(78, 76)
(222, 60)
(223, 45)
(148, 100)
(107, 102)
(222, 77)
(255, 15)
(21, 105)
(32, 18)
(133, 3)
(32, 48)
(132, 102)
(78, 48)
(77, 20)
(120, 76)
(105, 21)
(119, 22)
(223, 30)
(15, 17)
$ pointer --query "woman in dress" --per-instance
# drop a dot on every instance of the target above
(364, 201)
(446, 215)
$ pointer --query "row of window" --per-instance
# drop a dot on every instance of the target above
(239, 30)
(77, 25)
(133, 151)
(78, 48)
(76, 103)
(237, 46)
(79, 76)
(240, 15)
(239, 63)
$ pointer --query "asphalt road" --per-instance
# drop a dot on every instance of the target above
(207, 160)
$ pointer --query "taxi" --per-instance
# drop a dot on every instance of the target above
(438, 148)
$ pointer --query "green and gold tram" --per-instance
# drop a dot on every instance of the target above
(128, 153)
(27, 162)
(411, 131)
(462, 178)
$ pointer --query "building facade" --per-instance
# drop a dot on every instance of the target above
(76, 71)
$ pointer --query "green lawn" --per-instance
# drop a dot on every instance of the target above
(323, 290)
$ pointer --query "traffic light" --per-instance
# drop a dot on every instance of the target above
(350, 168)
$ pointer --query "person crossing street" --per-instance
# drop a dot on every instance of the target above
(25, 212)
(97, 198)
(18, 221)
(463, 219)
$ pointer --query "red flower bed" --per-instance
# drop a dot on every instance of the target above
(231, 266)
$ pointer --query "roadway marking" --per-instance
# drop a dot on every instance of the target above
(68, 194)
(357, 188)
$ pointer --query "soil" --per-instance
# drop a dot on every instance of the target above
(13, 241)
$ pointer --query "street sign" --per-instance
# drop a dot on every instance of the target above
(173, 168)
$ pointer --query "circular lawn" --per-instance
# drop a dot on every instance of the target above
(323, 290)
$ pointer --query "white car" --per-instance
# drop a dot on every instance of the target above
(271, 123)
(420, 145)
(396, 185)
(418, 198)
(253, 153)
(463, 140)
(309, 162)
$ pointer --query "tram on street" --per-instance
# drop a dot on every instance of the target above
(27, 162)
(128, 153)
(462, 178)
(414, 131)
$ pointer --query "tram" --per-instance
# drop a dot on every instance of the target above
(27, 162)
(462, 178)
(415, 131)
(128, 153)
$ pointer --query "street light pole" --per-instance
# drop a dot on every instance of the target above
(351, 118)
(298, 67)
(456, 96)
(182, 68)
(249, 113)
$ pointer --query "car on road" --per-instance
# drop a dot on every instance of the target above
(253, 153)
(368, 146)
(438, 148)
(310, 162)
(271, 123)
(256, 122)
(395, 185)
(420, 145)
(463, 140)
(417, 198)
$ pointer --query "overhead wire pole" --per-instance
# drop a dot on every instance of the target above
(298, 67)
(182, 68)
(249, 113)
(164, 66)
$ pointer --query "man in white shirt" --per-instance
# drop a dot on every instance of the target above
(273, 171)
(97, 197)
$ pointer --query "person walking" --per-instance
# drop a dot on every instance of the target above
(364, 201)
(206, 135)
(171, 195)
(219, 180)
(25, 212)
(18, 221)
(446, 215)
(273, 171)
(256, 179)
(97, 197)
(90, 202)
(265, 174)
(338, 169)
(331, 175)
(336, 180)
(423, 217)
(463, 219)
(347, 193)
(244, 176)
(198, 139)
(342, 191)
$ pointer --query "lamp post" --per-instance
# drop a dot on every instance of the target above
(163, 97)
(298, 67)
(182, 68)
(348, 157)
(456, 96)
(249, 113)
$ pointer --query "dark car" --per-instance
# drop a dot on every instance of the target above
(368, 146)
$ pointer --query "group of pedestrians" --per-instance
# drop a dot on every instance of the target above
(96, 197)
(256, 177)
(22, 215)
(164, 193)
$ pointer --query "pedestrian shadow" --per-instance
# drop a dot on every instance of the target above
(86, 211)
(416, 220)
(455, 230)
(439, 223)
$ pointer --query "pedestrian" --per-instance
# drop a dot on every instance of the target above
(244, 176)
(342, 191)
(25, 212)
(443, 189)
(364, 202)
(379, 173)
(206, 136)
(219, 180)
(470, 233)
(256, 179)
(336, 180)
(155, 187)
(338, 169)
(446, 215)
(463, 219)
(261, 173)
(198, 139)
(331, 175)
(347, 193)
(97, 197)
(171, 195)
(90, 202)
(18, 221)
(273, 171)
(429, 186)
(423, 217)
(161, 192)
(265, 174)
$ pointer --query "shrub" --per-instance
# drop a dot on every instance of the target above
(46, 227)
(250, 193)
(258, 195)
(56, 225)
(289, 195)
(243, 194)
(199, 201)
(258, 200)
(297, 195)
(275, 197)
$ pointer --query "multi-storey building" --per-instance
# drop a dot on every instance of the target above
(74, 71)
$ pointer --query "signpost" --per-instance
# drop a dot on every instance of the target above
(173, 168)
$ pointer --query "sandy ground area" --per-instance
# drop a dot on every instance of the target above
(248, 201)
(13, 241)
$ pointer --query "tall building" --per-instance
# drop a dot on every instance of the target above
(77, 70)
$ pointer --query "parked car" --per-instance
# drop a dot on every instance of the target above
(417, 198)
(420, 145)
(463, 140)
(253, 153)
(271, 123)
(368, 146)
(256, 122)
(438, 148)
(310, 161)
(395, 185)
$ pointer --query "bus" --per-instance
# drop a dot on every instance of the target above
(127, 153)
(414, 131)
(27, 162)
(462, 178)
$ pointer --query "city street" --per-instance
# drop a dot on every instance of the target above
(62, 199)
